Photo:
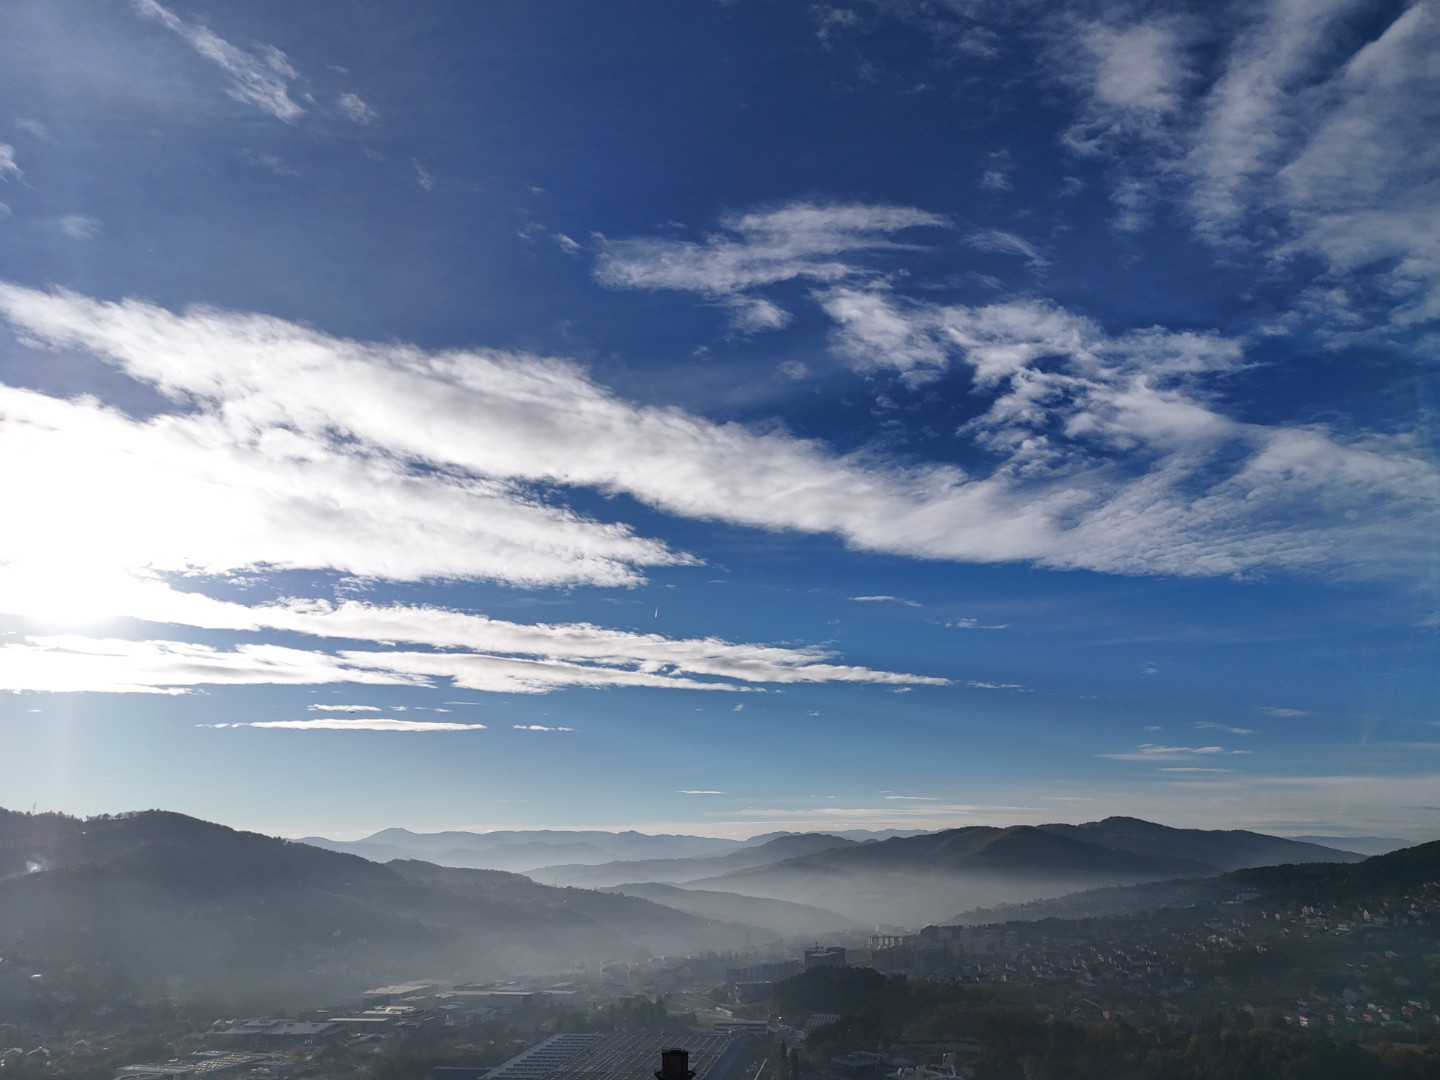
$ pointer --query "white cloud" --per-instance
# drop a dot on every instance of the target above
(999, 242)
(261, 79)
(974, 624)
(1207, 725)
(977, 684)
(67, 663)
(802, 241)
(1154, 752)
(536, 646)
(384, 460)
(1249, 115)
(208, 493)
(539, 727)
(1285, 714)
(8, 168)
(79, 227)
(910, 798)
(33, 127)
(566, 244)
(830, 22)
(1131, 78)
(368, 723)
(699, 792)
(271, 163)
(517, 675)
(887, 600)
(1361, 190)
(1313, 141)
(72, 662)
(423, 177)
(753, 314)
(996, 176)
(345, 708)
(1120, 430)
(353, 108)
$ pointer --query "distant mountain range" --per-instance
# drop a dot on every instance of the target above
(872, 878)
(905, 879)
(917, 879)
(679, 871)
(553, 853)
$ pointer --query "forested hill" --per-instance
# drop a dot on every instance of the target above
(249, 919)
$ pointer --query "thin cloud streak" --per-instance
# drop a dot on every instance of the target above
(262, 80)
(366, 724)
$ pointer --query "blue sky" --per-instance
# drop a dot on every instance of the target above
(721, 417)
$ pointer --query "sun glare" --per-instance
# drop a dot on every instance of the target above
(66, 596)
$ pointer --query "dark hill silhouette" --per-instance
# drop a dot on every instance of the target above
(241, 918)
(1375, 878)
(1221, 849)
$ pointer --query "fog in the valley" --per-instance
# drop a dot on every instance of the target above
(211, 914)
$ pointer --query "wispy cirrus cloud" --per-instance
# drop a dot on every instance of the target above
(1157, 752)
(1211, 726)
(260, 79)
(344, 708)
(353, 108)
(78, 226)
(369, 723)
(8, 168)
(801, 241)
(72, 663)
(66, 663)
(1132, 78)
(540, 727)
(500, 655)
(1135, 416)
(1293, 130)
(887, 600)
(999, 242)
